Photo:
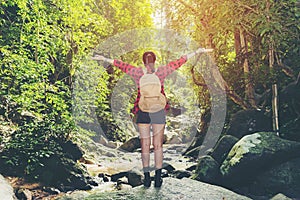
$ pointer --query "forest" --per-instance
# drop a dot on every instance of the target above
(51, 92)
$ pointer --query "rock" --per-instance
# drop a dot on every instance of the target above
(97, 151)
(280, 197)
(117, 176)
(63, 173)
(112, 144)
(185, 189)
(182, 174)
(76, 195)
(51, 190)
(124, 187)
(131, 145)
(87, 161)
(173, 139)
(246, 122)
(289, 99)
(291, 130)
(256, 153)
(102, 140)
(135, 177)
(194, 153)
(71, 150)
(104, 177)
(223, 147)
(168, 167)
(123, 180)
(24, 194)
(282, 178)
(207, 170)
(6, 189)
(192, 168)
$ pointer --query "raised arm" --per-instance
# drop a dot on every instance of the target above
(174, 65)
(198, 51)
(102, 58)
(127, 68)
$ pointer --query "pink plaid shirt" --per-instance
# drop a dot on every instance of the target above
(137, 72)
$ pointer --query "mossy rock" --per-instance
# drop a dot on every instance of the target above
(207, 170)
(223, 147)
(256, 153)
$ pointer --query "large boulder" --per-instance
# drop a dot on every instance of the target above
(223, 147)
(63, 173)
(207, 170)
(283, 178)
(291, 130)
(246, 122)
(256, 153)
(172, 188)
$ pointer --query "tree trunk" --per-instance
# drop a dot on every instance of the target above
(275, 119)
(249, 89)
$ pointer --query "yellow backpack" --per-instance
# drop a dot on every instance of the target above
(152, 100)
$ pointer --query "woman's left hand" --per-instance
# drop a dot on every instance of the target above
(98, 57)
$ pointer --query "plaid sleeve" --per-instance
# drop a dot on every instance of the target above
(127, 68)
(164, 71)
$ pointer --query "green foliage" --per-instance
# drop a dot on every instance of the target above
(31, 144)
(44, 46)
(41, 42)
(266, 25)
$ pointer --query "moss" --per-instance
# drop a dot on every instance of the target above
(239, 149)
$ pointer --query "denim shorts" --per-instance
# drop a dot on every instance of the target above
(151, 118)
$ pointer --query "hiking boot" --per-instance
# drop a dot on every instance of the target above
(158, 182)
(147, 179)
(157, 179)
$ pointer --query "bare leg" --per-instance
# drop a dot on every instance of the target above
(144, 130)
(158, 138)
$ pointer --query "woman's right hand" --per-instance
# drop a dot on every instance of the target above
(203, 50)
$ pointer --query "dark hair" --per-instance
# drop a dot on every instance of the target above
(149, 57)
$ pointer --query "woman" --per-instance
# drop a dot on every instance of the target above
(148, 121)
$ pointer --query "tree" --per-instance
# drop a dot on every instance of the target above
(248, 38)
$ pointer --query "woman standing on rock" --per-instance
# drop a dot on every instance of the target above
(150, 105)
